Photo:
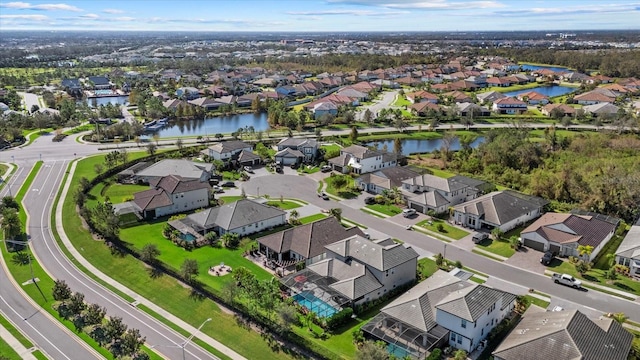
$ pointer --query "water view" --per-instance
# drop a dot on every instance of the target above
(415, 146)
(529, 67)
(212, 126)
(550, 91)
(116, 100)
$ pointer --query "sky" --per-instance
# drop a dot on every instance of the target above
(320, 15)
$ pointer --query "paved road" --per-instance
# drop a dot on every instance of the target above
(50, 336)
(303, 187)
(38, 202)
(388, 98)
(29, 99)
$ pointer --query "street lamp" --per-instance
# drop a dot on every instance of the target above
(186, 342)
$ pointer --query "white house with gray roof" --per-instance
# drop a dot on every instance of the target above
(443, 309)
(430, 192)
(362, 160)
(564, 335)
(628, 253)
(180, 167)
(308, 148)
(242, 217)
(228, 150)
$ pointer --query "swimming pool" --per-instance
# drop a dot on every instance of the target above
(398, 351)
(188, 237)
(103, 92)
(313, 303)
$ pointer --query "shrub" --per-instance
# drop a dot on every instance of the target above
(435, 355)
(440, 227)
(339, 318)
(458, 264)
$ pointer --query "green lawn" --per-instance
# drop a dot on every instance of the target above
(7, 352)
(346, 192)
(596, 276)
(18, 335)
(427, 267)
(207, 256)
(535, 301)
(401, 101)
(3, 169)
(308, 169)
(502, 248)
(389, 210)
(164, 291)
(119, 193)
(312, 218)
(448, 230)
(230, 199)
(284, 205)
(231, 175)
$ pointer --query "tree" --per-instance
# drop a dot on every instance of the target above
(585, 251)
(179, 144)
(61, 290)
(287, 316)
(76, 303)
(131, 342)
(353, 136)
(293, 216)
(460, 355)
(94, 314)
(514, 242)
(582, 266)
(114, 328)
(496, 234)
(439, 259)
(149, 253)
(151, 148)
(368, 117)
(189, 270)
(230, 240)
(10, 223)
(397, 146)
(10, 202)
(336, 212)
(370, 350)
(619, 317)
(339, 181)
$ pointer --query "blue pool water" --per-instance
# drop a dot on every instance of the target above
(188, 237)
(103, 92)
(397, 351)
(312, 303)
(529, 67)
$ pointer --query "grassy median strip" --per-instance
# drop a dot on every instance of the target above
(162, 290)
(9, 352)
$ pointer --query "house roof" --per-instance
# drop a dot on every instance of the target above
(310, 239)
(490, 95)
(564, 335)
(430, 198)
(630, 246)
(247, 156)
(297, 142)
(436, 182)
(601, 108)
(289, 152)
(152, 199)
(388, 178)
(470, 303)
(500, 207)
(566, 228)
(374, 254)
(594, 96)
(424, 106)
(509, 101)
(360, 152)
(228, 146)
(564, 107)
(354, 280)
(235, 215)
(177, 184)
(184, 168)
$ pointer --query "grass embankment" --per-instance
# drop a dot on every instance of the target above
(596, 276)
(164, 291)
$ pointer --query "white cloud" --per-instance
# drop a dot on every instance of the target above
(113, 11)
(424, 4)
(89, 16)
(124, 18)
(26, 17)
(46, 7)
(346, 12)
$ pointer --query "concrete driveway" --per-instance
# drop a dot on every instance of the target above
(387, 99)
(527, 259)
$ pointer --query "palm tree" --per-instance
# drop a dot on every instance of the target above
(293, 216)
(10, 223)
(585, 250)
(336, 212)
(619, 317)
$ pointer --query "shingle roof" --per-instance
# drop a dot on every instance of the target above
(310, 239)
(184, 168)
(289, 152)
(436, 182)
(472, 302)
(500, 207)
(430, 198)
(389, 177)
(296, 142)
(228, 146)
(151, 199)
(177, 184)
(564, 335)
(235, 215)
(566, 228)
(376, 255)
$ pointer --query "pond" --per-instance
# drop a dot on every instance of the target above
(215, 125)
(104, 100)
(529, 67)
(415, 146)
(550, 91)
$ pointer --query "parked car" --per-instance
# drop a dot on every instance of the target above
(566, 279)
(323, 195)
(479, 237)
(217, 189)
(294, 166)
(546, 258)
(370, 200)
(248, 169)
(228, 184)
(325, 168)
(409, 212)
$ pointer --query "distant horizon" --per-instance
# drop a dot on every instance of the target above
(321, 16)
(552, 31)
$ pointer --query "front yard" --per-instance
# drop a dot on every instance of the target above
(447, 230)
(622, 283)
(341, 186)
(284, 205)
(502, 248)
(311, 218)
(389, 210)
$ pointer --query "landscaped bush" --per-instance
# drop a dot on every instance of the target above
(339, 318)
(435, 355)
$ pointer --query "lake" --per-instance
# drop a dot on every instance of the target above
(415, 146)
(116, 100)
(212, 126)
(529, 67)
(550, 91)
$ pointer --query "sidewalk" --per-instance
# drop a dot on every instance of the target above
(16, 345)
(138, 299)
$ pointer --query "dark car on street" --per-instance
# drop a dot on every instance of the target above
(228, 184)
(370, 200)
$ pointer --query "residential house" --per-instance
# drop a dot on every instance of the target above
(361, 160)
(441, 310)
(499, 82)
(206, 103)
(422, 96)
(296, 150)
(354, 271)
(357, 96)
(593, 97)
(188, 93)
(562, 109)
(628, 253)
(429, 192)
(533, 98)
(424, 107)
(502, 209)
(286, 90)
(601, 110)
(457, 97)
(563, 233)
(385, 179)
(243, 217)
(564, 335)
(509, 105)
(305, 242)
(174, 104)
(99, 83)
(471, 109)
(490, 96)
(71, 86)
(324, 108)
(180, 167)
(172, 194)
(227, 150)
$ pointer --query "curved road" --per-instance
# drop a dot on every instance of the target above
(303, 187)
(38, 202)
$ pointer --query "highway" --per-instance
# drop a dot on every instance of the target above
(38, 201)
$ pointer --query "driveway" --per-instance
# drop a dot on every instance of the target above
(29, 100)
(527, 259)
(387, 99)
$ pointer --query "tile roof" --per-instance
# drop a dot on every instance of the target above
(184, 168)
(310, 239)
(151, 199)
(228, 146)
(564, 335)
(567, 228)
(235, 215)
(500, 207)
(473, 302)
(379, 256)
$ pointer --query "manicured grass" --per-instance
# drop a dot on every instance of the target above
(596, 276)
(312, 218)
(538, 302)
(477, 280)
(119, 193)
(206, 256)
(502, 248)
(164, 291)
(3, 169)
(7, 352)
(346, 192)
(414, 135)
(401, 101)
(364, 209)
(21, 339)
(440, 173)
(427, 267)
(230, 199)
(308, 169)
(602, 262)
(447, 230)
(231, 175)
(284, 205)
(389, 210)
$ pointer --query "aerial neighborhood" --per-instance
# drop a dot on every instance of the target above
(273, 205)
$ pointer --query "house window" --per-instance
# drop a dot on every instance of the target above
(459, 339)
(453, 337)
(463, 324)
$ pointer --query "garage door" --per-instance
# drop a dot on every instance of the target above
(417, 207)
(555, 249)
(534, 244)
